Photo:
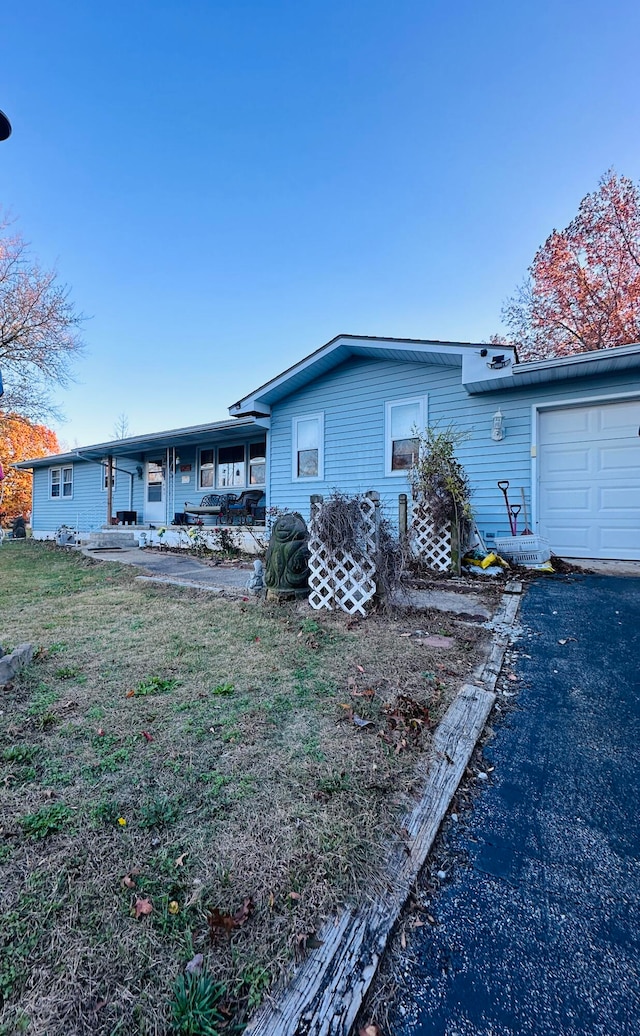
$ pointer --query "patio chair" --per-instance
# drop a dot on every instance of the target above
(243, 507)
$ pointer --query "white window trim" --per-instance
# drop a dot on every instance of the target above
(319, 417)
(213, 467)
(104, 477)
(61, 468)
(250, 484)
(422, 422)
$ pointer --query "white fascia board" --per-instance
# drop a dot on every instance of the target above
(485, 370)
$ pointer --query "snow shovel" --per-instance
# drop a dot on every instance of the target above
(514, 511)
(504, 486)
(526, 531)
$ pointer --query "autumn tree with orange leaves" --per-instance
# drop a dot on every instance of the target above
(583, 288)
(39, 329)
(21, 440)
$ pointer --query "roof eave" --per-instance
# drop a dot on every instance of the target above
(344, 347)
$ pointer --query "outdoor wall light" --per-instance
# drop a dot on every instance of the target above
(139, 471)
(499, 362)
(497, 426)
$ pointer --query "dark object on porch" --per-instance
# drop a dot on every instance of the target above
(242, 507)
(212, 504)
(18, 528)
(127, 517)
(227, 508)
(287, 561)
(180, 518)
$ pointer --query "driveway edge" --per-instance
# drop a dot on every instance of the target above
(328, 989)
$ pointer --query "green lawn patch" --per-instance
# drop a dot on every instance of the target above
(184, 775)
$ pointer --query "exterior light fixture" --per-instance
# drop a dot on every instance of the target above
(497, 363)
(497, 426)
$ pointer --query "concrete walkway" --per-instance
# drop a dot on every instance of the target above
(179, 569)
(535, 891)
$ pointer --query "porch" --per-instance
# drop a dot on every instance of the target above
(248, 539)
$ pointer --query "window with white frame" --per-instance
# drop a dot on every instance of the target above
(61, 482)
(404, 417)
(257, 463)
(237, 466)
(207, 468)
(105, 476)
(308, 446)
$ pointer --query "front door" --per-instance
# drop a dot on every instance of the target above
(154, 500)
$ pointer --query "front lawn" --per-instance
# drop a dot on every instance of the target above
(182, 775)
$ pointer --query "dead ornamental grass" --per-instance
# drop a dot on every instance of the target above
(234, 770)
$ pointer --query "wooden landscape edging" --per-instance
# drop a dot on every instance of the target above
(328, 989)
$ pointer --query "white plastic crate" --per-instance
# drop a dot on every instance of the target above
(523, 550)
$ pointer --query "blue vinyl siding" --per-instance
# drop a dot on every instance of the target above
(87, 508)
(353, 397)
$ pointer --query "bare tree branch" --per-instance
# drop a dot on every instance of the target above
(39, 330)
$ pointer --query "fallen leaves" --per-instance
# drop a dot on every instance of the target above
(407, 716)
(219, 922)
(358, 721)
(370, 1030)
(142, 907)
(194, 967)
(179, 860)
(352, 717)
(306, 941)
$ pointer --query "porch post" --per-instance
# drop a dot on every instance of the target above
(109, 488)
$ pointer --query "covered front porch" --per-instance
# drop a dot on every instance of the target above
(205, 476)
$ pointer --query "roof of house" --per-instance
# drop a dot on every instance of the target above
(133, 446)
(480, 370)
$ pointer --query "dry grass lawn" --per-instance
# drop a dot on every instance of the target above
(196, 756)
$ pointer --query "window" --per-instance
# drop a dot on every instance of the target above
(61, 482)
(308, 446)
(231, 470)
(257, 464)
(207, 467)
(155, 481)
(230, 466)
(105, 476)
(403, 418)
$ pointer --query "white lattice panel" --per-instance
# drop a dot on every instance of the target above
(431, 544)
(341, 581)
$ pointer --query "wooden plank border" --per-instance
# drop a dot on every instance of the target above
(327, 990)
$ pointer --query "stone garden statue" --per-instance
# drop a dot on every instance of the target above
(287, 561)
(255, 584)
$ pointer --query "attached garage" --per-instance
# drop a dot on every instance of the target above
(589, 479)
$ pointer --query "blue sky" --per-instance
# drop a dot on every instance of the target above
(227, 184)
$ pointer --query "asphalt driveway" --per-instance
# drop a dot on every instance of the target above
(538, 918)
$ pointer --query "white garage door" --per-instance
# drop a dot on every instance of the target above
(589, 480)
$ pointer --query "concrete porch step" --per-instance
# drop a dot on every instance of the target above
(109, 539)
